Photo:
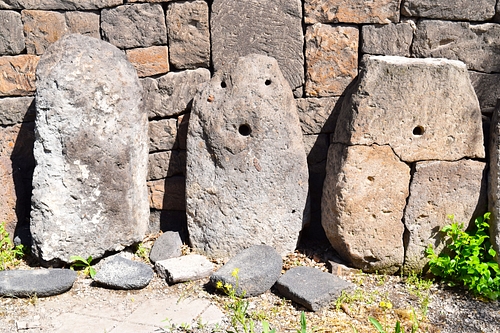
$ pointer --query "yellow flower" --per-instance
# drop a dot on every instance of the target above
(228, 286)
(387, 305)
(218, 285)
(235, 272)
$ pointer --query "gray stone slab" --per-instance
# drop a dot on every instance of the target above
(258, 268)
(11, 33)
(167, 164)
(14, 110)
(36, 282)
(311, 287)
(162, 134)
(65, 5)
(458, 10)
(186, 268)
(167, 246)
(120, 273)
(353, 11)
(387, 39)
(487, 88)
(317, 115)
(494, 181)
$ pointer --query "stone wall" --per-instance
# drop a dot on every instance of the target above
(177, 45)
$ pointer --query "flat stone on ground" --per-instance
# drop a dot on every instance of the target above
(120, 273)
(185, 268)
(39, 282)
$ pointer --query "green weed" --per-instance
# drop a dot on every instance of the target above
(10, 255)
(78, 262)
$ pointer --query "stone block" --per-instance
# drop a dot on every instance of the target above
(188, 34)
(18, 75)
(15, 110)
(117, 272)
(435, 116)
(186, 268)
(354, 11)
(136, 25)
(37, 282)
(477, 45)
(11, 33)
(168, 193)
(364, 196)
(10, 4)
(487, 88)
(42, 28)
(269, 27)
(388, 39)
(460, 10)
(91, 152)
(246, 165)
(494, 181)
(439, 189)
(167, 164)
(331, 59)
(66, 4)
(173, 93)
(162, 134)
(149, 61)
(84, 23)
(182, 130)
(317, 115)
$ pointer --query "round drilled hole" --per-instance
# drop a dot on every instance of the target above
(268, 82)
(419, 130)
(223, 84)
(245, 130)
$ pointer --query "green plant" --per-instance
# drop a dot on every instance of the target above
(10, 255)
(303, 324)
(420, 288)
(471, 261)
(141, 251)
(78, 262)
(397, 328)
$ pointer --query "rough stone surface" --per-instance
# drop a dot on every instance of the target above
(14, 110)
(137, 25)
(10, 4)
(311, 287)
(389, 39)
(494, 181)
(186, 268)
(42, 28)
(162, 134)
(66, 4)
(150, 60)
(246, 166)
(331, 59)
(364, 195)
(39, 282)
(270, 27)
(89, 191)
(121, 273)
(317, 115)
(11, 33)
(435, 117)
(439, 189)
(487, 88)
(168, 220)
(167, 246)
(168, 193)
(354, 11)
(18, 75)
(173, 93)
(84, 23)
(167, 164)
(465, 10)
(477, 45)
(258, 267)
(188, 34)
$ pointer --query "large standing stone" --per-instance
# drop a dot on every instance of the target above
(388, 39)
(246, 167)
(435, 116)
(494, 181)
(89, 189)
(467, 10)
(11, 32)
(477, 45)
(439, 189)
(364, 195)
(18, 75)
(270, 27)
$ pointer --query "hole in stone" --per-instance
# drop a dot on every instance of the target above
(223, 84)
(370, 178)
(245, 130)
(268, 82)
(419, 130)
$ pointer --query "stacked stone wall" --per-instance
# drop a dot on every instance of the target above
(176, 46)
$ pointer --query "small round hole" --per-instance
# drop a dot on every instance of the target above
(245, 130)
(419, 130)
(268, 82)
(370, 178)
(223, 84)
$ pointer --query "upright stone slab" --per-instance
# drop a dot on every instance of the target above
(494, 181)
(425, 109)
(439, 189)
(246, 178)
(91, 150)
(364, 195)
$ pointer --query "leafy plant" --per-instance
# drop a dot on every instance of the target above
(471, 261)
(397, 329)
(142, 252)
(78, 262)
(420, 288)
(10, 255)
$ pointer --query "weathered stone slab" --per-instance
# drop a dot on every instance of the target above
(354, 11)
(66, 4)
(18, 75)
(10, 4)
(435, 117)
(89, 190)
(167, 246)
(136, 25)
(331, 59)
(84, 23)
(494, 181)
(11, 33)
(270, 27)
(465, 10)
(477, 45)
(162, 134)
(439, 189)
(173, 93)
(487, 88)
(121, 273)
(258, 268)
(311, 287)
(168, 193)
(186, 268)
(39, 282)
(14, 110)
(388, 39)
(188, 34)
(149, 61)
(42, 28)
(246, 167)
(317, 114)
(167, 164)
(364, 195)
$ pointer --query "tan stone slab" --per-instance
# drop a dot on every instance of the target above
(149, 61)
(42, 28)
(168, 193)
(84, 23)
(17, 75)
(353, 11)
(75, 323)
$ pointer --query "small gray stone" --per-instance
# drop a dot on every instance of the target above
(186, 268)
(11, 33)
(457, 10)
(14, 110)
(39, 282)
(387, 39)
(120, 273)
(311, 287)
(258, 268)
(167, 246)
